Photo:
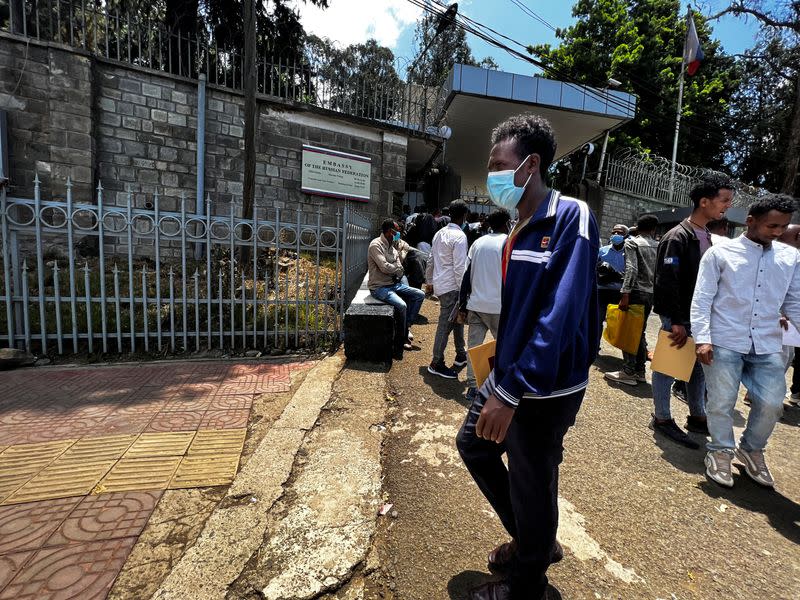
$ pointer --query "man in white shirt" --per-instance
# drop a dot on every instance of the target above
(482, 286)
(443, 277)
(743, 288)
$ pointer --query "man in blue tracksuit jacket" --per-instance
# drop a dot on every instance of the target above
(547, 340)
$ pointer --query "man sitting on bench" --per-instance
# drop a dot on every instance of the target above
(385, 279)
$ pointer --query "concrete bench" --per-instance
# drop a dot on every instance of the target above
(369, 328)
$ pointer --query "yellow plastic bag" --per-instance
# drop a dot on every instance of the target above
(624, 328)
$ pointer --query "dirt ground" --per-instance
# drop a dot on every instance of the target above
(181, 514)
(638, 517)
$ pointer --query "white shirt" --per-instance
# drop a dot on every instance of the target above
(742, 291)
(485, 260)
(448, 260)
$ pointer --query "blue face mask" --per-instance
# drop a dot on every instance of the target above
(617, 239)
(396, 236)
(502, 190)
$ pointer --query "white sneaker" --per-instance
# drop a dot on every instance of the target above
(756, 467)
(621, 377)
(718, 467)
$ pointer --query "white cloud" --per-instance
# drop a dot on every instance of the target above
(354, 21)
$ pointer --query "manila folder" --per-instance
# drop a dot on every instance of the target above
(482, 358)
(671, 360)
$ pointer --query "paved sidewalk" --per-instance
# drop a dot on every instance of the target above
(63, 429)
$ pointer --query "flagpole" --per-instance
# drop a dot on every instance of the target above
(680, 109)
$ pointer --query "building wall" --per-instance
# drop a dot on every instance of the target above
(98, 121)
(618, 207)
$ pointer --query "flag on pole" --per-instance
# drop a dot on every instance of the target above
(694, 53)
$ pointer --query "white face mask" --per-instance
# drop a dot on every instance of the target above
(502, 190)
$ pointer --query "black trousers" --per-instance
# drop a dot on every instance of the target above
(524, 496)
(795, 372)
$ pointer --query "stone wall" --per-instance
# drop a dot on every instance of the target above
(619, 207)
(98, 121)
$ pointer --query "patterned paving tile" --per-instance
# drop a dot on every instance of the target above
(217, 442)
(205, 471)
(79, 571)
(187, 404)
(28, 526)
(160, 444)
(74, 476)
(124, 424)
(11, 565)
(9, 435)
(139, 474)
(19, 464)
(241, 402)
(107, 516)
(176, 421)
(225, 419)
(99, 448)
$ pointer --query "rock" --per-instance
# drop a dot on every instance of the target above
(252, 353)
(11, 358)
(43, 362)
(369, 331)
(277, 352)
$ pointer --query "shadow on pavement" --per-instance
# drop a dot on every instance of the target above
(367, 367)
(462, 583)
(782, 512)
(449, 389)
(687, 460)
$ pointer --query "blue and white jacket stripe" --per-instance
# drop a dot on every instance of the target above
(549, 330)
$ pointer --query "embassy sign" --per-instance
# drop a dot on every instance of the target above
(336, 174)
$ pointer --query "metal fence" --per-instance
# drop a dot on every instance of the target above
(648, 176)
(142, 40)
(84, 277)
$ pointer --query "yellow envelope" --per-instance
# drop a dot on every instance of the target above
(482, 358)
(671, 360)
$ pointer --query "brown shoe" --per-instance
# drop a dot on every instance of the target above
(501, 558)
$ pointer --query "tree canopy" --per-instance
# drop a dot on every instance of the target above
(640, 44)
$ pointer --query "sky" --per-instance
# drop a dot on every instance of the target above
(392, 22)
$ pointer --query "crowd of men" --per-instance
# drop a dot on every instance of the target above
(533, 274)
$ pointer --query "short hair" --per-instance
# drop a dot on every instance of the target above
(780, 202)
(458, 209)
(387, 225)
(718, 225)
(623, 227)
(709, 186)
(498, 219)
(646, 223)
(533, 134)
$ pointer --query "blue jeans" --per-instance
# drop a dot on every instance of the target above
(764, 376)
(695, 388)
(406, 300)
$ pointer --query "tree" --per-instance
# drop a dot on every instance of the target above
(449, 47)
(360, 79)
(779, 53)
(640, 43)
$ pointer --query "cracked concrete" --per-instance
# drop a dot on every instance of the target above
(235, 530)
(324, 524)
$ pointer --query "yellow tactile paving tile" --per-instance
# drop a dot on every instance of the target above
(100, 448)
(205, 471)
(211, 442)
(18, 464)
(133, 474)
(65, 477)
(160, 444)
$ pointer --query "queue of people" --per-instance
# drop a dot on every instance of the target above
(541, 284)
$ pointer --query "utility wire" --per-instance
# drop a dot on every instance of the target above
(478, 30)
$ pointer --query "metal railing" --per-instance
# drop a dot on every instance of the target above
(143, 40)
(647, 176)
(84, 277)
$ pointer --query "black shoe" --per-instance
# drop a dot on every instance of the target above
(679, 391)
(461, 360)
(471, 394)
(697, 425)
(672, 431)
(442, 371)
